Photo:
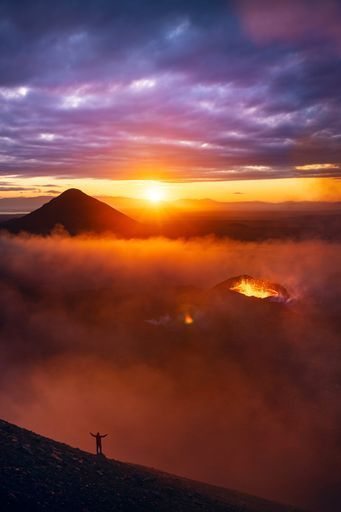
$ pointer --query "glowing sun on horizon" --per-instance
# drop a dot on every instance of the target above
(155, 193)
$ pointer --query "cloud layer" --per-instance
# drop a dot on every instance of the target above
(181, 90)
(93, 337)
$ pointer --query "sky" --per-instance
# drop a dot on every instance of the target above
(233, 100)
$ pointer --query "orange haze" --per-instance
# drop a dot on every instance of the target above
(127, 337)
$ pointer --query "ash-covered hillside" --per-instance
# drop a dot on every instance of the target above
(38, 474)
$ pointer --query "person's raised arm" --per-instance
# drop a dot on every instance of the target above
(93, 435)
(105, 435)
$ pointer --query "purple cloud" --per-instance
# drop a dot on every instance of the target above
(203, 91)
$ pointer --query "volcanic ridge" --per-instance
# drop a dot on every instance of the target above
(39, 474)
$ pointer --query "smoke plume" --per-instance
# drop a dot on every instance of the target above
(247, 395)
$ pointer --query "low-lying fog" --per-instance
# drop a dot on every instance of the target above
(93, 337)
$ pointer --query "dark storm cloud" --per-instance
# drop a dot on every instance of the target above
(199, 89)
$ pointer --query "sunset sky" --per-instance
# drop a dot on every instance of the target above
(232, 100)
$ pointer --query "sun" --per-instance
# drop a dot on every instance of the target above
(155, 193)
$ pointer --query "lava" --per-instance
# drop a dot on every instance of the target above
(259, 288)
(254, 288)
(188, 319)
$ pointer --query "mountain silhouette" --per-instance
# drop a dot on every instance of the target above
(77, 213)
(39, 474)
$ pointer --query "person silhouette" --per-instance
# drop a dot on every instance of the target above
(99, 438)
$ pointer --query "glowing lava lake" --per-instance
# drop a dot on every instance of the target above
(258, 288)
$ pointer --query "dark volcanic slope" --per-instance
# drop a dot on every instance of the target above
(39, 474)
(78, 213)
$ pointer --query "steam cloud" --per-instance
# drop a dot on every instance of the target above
(247, 396)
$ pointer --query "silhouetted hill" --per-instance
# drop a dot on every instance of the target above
(77, 213)
(38, 474)
(80, 213)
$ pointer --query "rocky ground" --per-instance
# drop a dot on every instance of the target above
(38, 474)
